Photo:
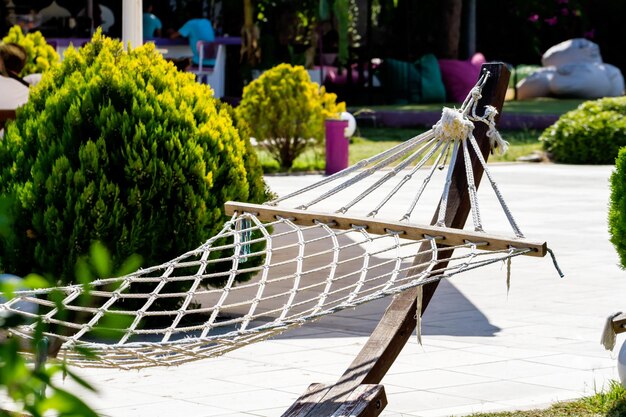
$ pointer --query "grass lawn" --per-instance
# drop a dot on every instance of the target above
(611, 403)
(535, 106)
(370, 141)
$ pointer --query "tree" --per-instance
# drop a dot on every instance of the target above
(450, 35)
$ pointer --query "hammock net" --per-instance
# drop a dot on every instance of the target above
(277, 266)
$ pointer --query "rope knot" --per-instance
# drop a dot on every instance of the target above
(476, 93)
(494, 136)
(453, 125)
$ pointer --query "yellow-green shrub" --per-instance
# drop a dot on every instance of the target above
(591, 134)
(617, 207)
(122, 148)
(40, 55)
(286, 111)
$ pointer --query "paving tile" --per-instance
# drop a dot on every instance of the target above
(251, 401)
(510, 369)
(507, 352)
(167, 409)
(440, 360)
(280, 378)
(503, 391)
(585, 382)
(567, 360)
(436, 378)
(416, 402)
(462, 410)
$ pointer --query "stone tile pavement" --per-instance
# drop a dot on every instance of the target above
(483, 349)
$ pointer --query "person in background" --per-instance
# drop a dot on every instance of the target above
(197, 28)
(151, 24)
(14, 88)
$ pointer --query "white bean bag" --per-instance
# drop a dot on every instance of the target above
(536, 84)
(577, 50)
(581, 80)
(616, 79)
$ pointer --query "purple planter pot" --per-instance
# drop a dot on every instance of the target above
(336, 146)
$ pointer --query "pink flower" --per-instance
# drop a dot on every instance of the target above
(551, 20)
(533, 18)
(590, 34)
(565, 11)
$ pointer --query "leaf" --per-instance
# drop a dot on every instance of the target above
(82, 271)
(35, 281)
(101, 259)
(130, 265)
(8, 288)
(66, 404)
(79, 380)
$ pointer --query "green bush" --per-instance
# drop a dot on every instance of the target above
(520, 72)
(617, 208)
(40, 55)
(122, 148)
(286, 111)
(591, 134)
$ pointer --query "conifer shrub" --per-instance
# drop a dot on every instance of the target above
(591, 134)
(286, 111)
(122, 148)
(617, 207)
(40, 55)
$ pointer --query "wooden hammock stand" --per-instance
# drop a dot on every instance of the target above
(358, 391)
(619, 323)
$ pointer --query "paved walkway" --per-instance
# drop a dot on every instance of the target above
(483, 349)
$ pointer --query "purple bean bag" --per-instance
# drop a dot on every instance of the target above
(460, 76)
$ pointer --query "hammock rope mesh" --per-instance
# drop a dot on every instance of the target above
(256, 279)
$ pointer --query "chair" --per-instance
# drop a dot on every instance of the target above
(215, 76)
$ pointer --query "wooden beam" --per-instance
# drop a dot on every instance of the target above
(449, 237)
(619, 323)
(367, 400)
(398, 322)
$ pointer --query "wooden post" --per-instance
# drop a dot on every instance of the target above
(399, 321)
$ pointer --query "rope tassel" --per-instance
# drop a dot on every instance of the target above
(418, 314)
(608, 334)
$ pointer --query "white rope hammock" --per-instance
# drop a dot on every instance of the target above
(311, 264)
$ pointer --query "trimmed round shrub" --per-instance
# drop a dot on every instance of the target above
(286, 111)
(591, 134)
(122, 148)
(40, 55)
(617, 208)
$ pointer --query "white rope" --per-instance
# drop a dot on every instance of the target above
(471, 187)
(443, 205)
(419, 153)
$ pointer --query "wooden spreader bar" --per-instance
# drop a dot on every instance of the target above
(446, 236)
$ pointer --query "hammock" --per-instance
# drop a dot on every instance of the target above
(303, 263)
